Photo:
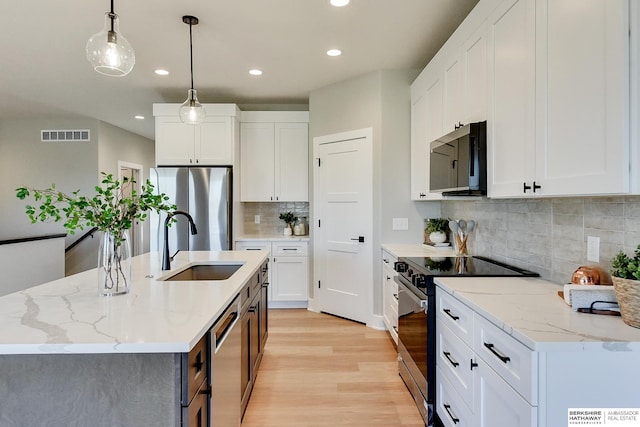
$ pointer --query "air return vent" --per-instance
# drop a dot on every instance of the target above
(65, 135)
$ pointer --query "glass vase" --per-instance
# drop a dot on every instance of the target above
(114, 263)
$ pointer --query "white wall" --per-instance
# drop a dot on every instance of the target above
(380, 100)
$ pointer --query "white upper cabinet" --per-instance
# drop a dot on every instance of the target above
(419, 159)
(582, 85)
(474, 74)
(274, 156)
(451, 91)
(511, 118)
(559, 98)
(555, 81)
(208, 144)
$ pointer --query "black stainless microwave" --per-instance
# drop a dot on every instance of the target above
(458, 162)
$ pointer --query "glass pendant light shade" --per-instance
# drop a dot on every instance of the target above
(108, 51)
(191, 111)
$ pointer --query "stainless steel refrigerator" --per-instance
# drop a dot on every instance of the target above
(204, 192)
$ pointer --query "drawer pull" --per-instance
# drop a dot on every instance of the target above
(198, 364)
(395, 328)
(395, 296)
(453, 417)
(446, 310)
(289, 249)
(502, 357)
(448, 356)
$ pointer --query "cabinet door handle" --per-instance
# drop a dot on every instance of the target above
(386, 261)
(422, 195)
(536, 186)
(448, 356)
(290, 249)
(492, 349)
(395, 296)
(525, 187)
(252, 309)
(448, 312)
(453, 417)
(472, 364)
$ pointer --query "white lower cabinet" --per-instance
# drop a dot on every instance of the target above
(390, 294)
(498, 404)
(288, 271)
(484, 377)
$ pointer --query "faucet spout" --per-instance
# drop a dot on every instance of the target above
(166, 258)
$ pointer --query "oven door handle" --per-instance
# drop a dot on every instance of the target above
(424, 304)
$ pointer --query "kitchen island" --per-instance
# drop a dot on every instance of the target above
(70, 357)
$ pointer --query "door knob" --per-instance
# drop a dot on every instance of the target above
(360, 239)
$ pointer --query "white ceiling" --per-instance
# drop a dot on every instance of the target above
(45, 73)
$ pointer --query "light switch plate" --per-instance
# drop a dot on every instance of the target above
(400, 224)
(593, 249)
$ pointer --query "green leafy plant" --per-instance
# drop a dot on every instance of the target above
(438, 224)
(289, 218)
(109, 210)
(625, 267)
(112, 210)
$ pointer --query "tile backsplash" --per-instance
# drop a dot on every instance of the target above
(549, 236)
(269, 212)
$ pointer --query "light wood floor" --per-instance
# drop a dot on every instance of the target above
(320, 370)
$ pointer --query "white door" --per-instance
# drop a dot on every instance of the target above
(134, 173)
(343, 183)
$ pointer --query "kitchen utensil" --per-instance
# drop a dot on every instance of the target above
(453, 226)
(471, 225)
(463, 226)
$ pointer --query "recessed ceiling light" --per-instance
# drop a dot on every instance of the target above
(334, 52)
(138, 117)
(161, 72)
(255, 72)
(339, 3)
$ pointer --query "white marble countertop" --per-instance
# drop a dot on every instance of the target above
(272, 238)
(68, 316)
(416, 250)
(530, 310)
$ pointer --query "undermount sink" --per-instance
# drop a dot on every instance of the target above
(205, 272)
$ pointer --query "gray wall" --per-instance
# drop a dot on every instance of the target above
(549, 236)
(25, 161)
(380, 100)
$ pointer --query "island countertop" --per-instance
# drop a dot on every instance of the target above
(68, 315)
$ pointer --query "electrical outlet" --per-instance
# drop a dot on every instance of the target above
(400, 224)
(256, 219)
(593, 249)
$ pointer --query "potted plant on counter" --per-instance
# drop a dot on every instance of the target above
(289, 218)
(625, 273)
(436, 230)
(112, 210)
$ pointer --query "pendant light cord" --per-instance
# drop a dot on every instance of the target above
(112, 16)
(190, 51)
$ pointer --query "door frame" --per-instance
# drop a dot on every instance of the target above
(136, 228)
(367, 135)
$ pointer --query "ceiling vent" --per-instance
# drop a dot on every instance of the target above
(65, 135)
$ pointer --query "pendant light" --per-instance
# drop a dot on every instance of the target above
(108, 51)
(191, 111)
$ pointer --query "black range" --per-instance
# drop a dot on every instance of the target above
(417, 316)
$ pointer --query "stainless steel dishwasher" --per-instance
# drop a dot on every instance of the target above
(225, 368)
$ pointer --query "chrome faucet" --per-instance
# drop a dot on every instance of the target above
(166, 258)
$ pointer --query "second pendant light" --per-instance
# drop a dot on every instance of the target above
(191, 111)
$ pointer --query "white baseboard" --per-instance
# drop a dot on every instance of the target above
(288, 304)
(377, 322)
